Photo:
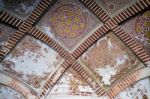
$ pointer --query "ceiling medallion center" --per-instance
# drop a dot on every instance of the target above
(142, 28)
(68, 21)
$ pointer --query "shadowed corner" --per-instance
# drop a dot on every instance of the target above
(1, 4)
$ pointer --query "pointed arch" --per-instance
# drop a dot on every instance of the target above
(128, 80)
(14, 83)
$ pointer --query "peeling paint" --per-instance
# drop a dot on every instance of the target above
(138, 90)
(8, 93)
(31, 61)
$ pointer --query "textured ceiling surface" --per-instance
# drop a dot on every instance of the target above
(74, 49)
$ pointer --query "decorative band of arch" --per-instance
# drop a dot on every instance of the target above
(132, 44)
(111, 24)
(54, 78)
(128, 80)
(89, 41)
(17, 85)
(96, 9)
(131, 10)
(38, 11)
(14, 39)
(88, 78)
(11, 43)
(52, 43)
(9, 19)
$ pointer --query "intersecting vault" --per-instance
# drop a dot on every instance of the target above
(88, 49)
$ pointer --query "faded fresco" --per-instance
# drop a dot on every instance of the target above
(8, 93)
(68, 21)
(139, 29)
(31, 61)
(138, 90)
(110, 59)
(71, 84)
(113, 7)
(64, 64)
(5, 33)
(20, 8)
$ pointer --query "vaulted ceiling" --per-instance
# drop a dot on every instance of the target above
(86, 49)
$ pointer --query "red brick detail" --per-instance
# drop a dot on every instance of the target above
(12, 41)
(88, 78)
(54, 78)
(132, 10)
(89, 41)
(40, 8)
(19, 86)
(96, 9)
(125, 82)
(52, 43)
(9, 19)
(133, 45)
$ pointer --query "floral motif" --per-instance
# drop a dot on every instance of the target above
(142, 28)
(68, 21)
(139, 29)
(35, 80)
(9, 66)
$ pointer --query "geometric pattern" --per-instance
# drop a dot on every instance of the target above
(73, 64)
(68, 21)
(62, 24)
(138, 28)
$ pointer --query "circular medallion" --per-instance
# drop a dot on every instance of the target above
(68, 21)
(142, 27)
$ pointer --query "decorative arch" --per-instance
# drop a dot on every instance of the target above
(128, 80)
(14, 83)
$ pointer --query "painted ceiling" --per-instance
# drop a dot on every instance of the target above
(74, 49)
